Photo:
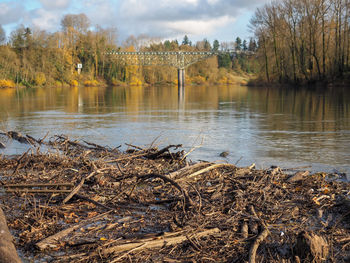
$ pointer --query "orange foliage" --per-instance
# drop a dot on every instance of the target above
(6, 83)
(91, 83)
(74, 83)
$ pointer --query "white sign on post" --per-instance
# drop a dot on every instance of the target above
(79, 65)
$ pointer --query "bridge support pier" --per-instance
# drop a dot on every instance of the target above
(181, 77)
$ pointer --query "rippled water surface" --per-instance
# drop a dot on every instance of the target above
(266, 126)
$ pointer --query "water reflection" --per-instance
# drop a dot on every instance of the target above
(288, 127)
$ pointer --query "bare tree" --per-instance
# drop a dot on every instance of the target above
(2, 35)
(79, 23)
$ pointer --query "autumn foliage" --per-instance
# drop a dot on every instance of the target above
(6, 83)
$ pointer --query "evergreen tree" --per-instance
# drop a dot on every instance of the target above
(244, 46)
(206, 44)
(252, 45)
(167, 45)
(238, 44)
(216, 45)
(225, 61)
(186, 41)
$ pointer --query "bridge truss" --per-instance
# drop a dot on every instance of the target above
(178, 59)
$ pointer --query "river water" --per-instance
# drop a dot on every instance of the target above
(266, 126)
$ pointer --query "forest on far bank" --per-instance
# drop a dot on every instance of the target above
(32, 57)
(294, 42)
(303, 41)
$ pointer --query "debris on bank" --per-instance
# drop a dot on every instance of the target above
(83, 202)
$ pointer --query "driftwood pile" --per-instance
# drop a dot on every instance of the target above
(82, 202)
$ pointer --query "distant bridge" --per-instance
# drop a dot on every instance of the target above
(178, 59)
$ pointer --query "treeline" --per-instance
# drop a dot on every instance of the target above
(34, 57)
(303, 41)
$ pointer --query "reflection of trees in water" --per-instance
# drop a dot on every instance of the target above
(317, 109)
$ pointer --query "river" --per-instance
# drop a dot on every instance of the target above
(266, 126)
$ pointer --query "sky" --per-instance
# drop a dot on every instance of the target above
(164, 19)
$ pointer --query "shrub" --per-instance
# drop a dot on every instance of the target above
(74, 83)
(91, 83)
(58, 83)
(198, 80)
(6, 83)
(40, 79)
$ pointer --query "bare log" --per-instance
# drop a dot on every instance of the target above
(149, 243)
(207, 169)
(186, 169)
(311, 247)
(8, 251)
(52, 241)
(298, 177)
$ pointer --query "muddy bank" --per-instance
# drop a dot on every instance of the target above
(83, 202)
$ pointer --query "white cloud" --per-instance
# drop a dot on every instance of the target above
(101, 12)
(173, 18)
(55, 4)
(156, 18)
(213, 2)
(199, 27)
(11, 12)
(46, 20)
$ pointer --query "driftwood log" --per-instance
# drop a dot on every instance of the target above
(8, 251)
(311, 247)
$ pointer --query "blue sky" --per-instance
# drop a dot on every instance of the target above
(164, 19)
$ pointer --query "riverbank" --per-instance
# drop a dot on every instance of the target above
(228, 78)
(342, 82)
(83, 202)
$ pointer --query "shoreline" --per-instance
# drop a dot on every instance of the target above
(150, 203)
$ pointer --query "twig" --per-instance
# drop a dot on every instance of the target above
(160, 152)
(37, 191)
(37, 185)
(127, 253)
(42, 139)
(77, 188)
(19, 161)
(133, 146)
(192, 149)
(240, 158)
(175, 184)
(93, 202)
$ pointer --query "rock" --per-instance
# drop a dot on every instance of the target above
(224, 154)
